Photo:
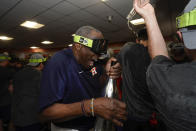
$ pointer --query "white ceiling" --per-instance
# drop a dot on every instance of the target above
(61, 18)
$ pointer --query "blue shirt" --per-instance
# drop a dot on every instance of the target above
(65, 81)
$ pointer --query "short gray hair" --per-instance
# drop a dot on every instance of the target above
(86, 30)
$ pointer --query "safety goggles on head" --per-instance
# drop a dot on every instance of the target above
(187, 19)
(98, 46)
(5, 58)
(37, 60)
(186, 23)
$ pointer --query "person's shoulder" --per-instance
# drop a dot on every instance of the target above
(138, 46)
(188, 66)
(133, 49)
(20, 73)
(128, 46)
(60, 60)
(131, 46)
(165, 64)
(160, 59)
(7, 70)
(25, 70)
(62, 56)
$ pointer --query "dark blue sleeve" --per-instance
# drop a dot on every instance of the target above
(53, 81)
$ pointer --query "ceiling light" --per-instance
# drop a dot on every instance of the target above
(34, 47)
(5, 38)
(138, 21)
(70, 45)
(47, 42)
(104, 0)
(32, 24)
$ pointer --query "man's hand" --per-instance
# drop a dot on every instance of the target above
(113, 71)
(145, 11)
(111, 109)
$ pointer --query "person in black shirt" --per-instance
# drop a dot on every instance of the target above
(172, 86)
(26, 85)
(135, 60)
(5, 91)
(16, 64)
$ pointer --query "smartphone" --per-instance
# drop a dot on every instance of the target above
(142, 3)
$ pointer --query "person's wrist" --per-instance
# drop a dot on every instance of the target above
(92, 107)
(87, 107)
(149, 18)
(96, 107)
(149, 15)
(99, 105)
(105, 72)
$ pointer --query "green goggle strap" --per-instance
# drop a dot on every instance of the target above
(83, 40)
(187, 19)
(5, 58)
(37, 60)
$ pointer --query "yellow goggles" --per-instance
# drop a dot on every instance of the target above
(5, 58)
(187, 19)
(37, 60)
(98, 46)
(83, 40)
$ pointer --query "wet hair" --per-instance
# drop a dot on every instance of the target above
(177, 49)
(142, 35)
(86, 30)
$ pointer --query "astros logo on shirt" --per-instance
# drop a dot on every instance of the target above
(93, 71)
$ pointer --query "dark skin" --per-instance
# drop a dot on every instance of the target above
(109, 109)
(86, 57)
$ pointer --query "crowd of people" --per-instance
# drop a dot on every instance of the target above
(20, 84)
(66, 93)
